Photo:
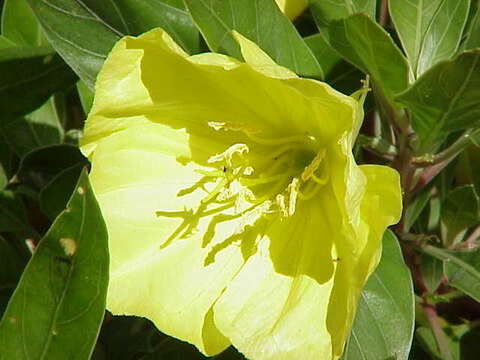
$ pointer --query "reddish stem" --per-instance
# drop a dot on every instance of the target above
(432, 316)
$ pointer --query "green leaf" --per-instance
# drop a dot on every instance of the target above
(430, 31)
(472, 39)
(54, 196)
(327, 11)
(383, 326)
(462, 268)
(58, 306)
(415, 208)
(460, 210)
(463, 272)
(5, 42)
(83, 32)
(28, 76)
(366, 45)
(445, 99)
(432, 272)
(325, 55)
(39, 128)
(260, 21)
(133, 17)
(341, 75)
(454, 335)
(19, 24)
(86, 96)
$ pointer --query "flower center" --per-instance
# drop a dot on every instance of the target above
(244, 185)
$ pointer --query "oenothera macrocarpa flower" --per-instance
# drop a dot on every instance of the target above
(235, 210)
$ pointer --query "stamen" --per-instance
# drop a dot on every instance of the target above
(227, 155)
(280, 201)
(214, 173)
(292, 199)
(313, 166)
(218, 188)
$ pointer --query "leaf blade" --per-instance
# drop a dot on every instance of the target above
(366, 45)
(384, 323)
(430, 31)
(274, 33)
(64, 312)
(445, 99)
(30, 75)
(462, 268)
(83, 32)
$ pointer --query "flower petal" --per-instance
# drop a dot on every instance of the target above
(259, 60)
(360, 252)
(150, 79)
(276, 307)
(135, 173)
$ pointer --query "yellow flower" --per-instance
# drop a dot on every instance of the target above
(292, 8)
(236, 212)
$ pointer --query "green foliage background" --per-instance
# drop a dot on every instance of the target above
(422, 118)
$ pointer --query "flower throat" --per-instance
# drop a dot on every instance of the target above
(246, 186)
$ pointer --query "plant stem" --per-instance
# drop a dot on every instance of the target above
(378, 146)
(432, 316)
(448, 154)
(470, 241)
(383, 13)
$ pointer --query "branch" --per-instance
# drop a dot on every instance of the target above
(432, 316)
(378, 146)
(452, 151)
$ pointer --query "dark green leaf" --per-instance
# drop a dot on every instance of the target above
(468, 169)
(327, 11)
(11, 267)
(383, 326)
(37, 129)
(460, 210)
(40, 166)
(430, 31)
(54, 196)
(7, 160)
(19, 24)
(445, 99)
(462, 268)
(83, 32)
(28, 76)
(57, 308)
(258, 20)
(366, 45)
(13, 217)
